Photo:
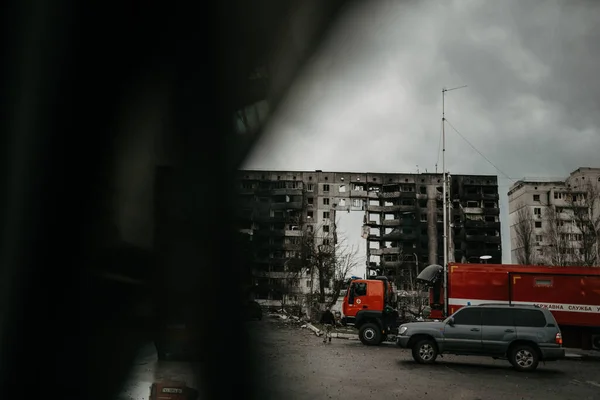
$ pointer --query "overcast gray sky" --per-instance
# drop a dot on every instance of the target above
(370, 100)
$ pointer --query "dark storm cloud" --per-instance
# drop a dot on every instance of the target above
(371, 98)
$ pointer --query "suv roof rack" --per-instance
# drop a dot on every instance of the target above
(509, 305)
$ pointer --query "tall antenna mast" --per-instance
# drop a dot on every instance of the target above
(444, 194)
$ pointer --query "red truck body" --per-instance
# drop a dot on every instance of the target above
(571, 293)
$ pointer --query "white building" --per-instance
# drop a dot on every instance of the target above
(554, 237)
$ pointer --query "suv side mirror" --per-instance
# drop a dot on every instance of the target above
(451, 322)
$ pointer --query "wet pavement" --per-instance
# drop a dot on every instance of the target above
(297, 365)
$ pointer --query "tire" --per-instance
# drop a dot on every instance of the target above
(425, 351)
(370, 334)
(524, 358)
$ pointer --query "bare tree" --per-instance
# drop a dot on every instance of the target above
(584, 205)
(345, 259)
(524, 232)
(327, 256)
(554, 235)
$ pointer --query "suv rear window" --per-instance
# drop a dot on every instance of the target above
(530, 318)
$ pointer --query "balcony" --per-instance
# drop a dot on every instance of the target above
(399, 236)
(491, 211)
(389, 195)
(269, 232)
(296, 205)
(491, 196)
(475, 238)
(379, 208)
(358, 193)
(391, 250)
(471, 196)
(493, 239)
(472, 210)
(408, 195)
(475, 224)
(390, 222)
(391, 264)
(286, 191)
(293, 233)
(375, 252)
(481, 224)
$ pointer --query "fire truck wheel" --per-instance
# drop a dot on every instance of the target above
(370, 334)
(524, 358)
(425, 351)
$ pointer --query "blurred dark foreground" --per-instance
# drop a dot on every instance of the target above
(117, 184)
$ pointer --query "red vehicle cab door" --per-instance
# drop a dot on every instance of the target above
(364, 295)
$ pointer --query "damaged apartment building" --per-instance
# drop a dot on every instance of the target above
(403, 221)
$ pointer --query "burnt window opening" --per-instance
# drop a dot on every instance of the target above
(423, 203)
(423, 190)
(310, 200)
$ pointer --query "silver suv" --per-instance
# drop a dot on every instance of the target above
(525, 335)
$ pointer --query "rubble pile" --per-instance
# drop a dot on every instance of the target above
(284, 317)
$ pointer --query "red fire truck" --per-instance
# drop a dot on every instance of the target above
(571, 293)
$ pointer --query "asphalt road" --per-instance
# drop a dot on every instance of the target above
(297, 365)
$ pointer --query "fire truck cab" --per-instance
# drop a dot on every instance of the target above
(369, 305)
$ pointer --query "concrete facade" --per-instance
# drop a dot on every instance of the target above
(542, 198)
(402, 217)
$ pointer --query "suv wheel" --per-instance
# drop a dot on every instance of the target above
(524, 358)
(370, 334)
(425, 351)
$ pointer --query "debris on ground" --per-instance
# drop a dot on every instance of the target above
(313, 328)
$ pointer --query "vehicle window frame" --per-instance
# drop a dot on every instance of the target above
(489, 310)
(523, 311)
(362, 285)
(467, 309)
